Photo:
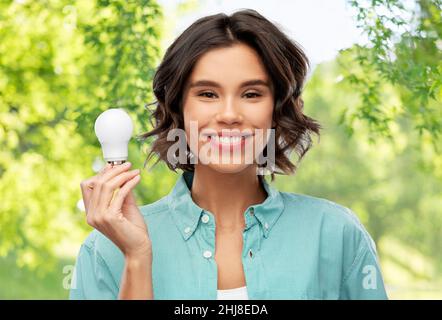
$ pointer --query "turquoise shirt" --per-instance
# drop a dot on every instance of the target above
(294, 247)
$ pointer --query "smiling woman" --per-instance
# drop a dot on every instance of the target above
(224, 231)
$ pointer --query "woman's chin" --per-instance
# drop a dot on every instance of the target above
(228, 167)
(225, 161)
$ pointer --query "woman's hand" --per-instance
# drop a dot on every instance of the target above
(117, 217)
(120, 220)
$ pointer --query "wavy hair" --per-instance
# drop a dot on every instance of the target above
(284, 60)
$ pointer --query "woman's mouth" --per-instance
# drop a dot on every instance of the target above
(228, 142)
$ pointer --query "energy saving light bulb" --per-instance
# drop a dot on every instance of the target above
(114, 129)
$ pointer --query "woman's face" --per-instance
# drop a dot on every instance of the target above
(223, 108)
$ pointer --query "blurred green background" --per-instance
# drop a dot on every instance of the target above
(64, 62)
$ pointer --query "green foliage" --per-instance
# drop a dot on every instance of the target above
(25, 283)
(404, 49)
(61, 64)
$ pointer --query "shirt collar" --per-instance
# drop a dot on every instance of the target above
(186, 213)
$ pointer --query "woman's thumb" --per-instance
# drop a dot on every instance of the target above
(129, 200)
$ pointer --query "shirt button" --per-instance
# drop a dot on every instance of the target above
(266, 225)
(205, 218)
(187, 230)
(207, 254)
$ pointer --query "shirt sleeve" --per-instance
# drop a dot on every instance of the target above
(92, 279)
(364, 281)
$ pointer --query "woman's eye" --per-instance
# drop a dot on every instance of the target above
(252, 95)
(212, 95)
(207, 94)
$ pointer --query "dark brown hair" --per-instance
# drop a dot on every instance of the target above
(284, 60)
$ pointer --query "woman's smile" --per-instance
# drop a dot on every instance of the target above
(228, 142)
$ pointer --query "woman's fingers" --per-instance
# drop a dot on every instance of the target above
(86, 191)
(88, 185)
(109, 187)
(129, 200)
(114, 171)
(124, 191)
(104, 169)
(101, 180)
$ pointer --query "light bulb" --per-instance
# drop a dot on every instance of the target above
(114, 129)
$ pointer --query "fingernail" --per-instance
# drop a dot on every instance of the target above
(127, 164)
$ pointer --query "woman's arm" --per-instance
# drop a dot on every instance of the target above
(136, 281)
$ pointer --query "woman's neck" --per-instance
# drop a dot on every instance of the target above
(227, 195)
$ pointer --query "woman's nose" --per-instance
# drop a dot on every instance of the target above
(229, 113)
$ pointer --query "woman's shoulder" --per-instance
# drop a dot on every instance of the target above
(332, 217)
(156, 207)
(313, 205)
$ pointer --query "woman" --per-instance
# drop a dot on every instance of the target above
(224, 232)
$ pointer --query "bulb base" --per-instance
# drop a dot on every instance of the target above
(115, 163)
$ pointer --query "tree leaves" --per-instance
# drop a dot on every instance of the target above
(402, 50)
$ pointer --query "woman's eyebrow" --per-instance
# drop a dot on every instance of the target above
(210, 83)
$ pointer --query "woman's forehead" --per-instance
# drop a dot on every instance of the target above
(239, 61)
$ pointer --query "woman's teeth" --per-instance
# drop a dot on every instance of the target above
(226, 140)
